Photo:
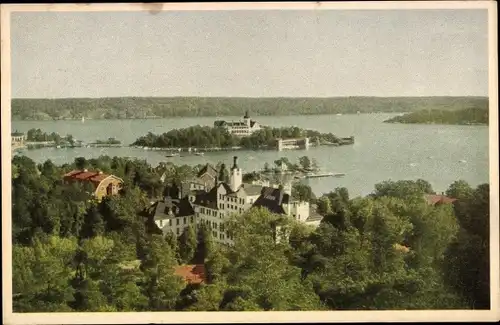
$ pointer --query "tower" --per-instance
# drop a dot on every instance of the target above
(246, 118)
(236, 177)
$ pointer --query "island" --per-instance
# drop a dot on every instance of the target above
(36, 138)
(467, 116)
(205, 138)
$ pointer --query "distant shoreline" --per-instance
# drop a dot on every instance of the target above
(165, 107)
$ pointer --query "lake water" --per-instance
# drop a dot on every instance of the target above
(439, 154)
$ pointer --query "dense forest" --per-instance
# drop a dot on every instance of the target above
(468, 116)
(209, 137)
(149, 107)
(389, 250)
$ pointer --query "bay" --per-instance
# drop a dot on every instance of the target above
(439, 154)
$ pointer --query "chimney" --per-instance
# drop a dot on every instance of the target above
(235, 162)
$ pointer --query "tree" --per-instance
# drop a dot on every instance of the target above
(305, 162)
(45, 273)
(259, 276)
(467, 259)
(188, 244)
(324, 206)
(81, 163)
(302, 192)
(161, 286)
(459, 190)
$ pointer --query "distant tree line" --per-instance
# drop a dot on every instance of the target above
(150, 107)
(210, 137)
(388, 250)
(468, 116)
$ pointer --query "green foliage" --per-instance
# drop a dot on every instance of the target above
(469, 116)
(467, 263)
(37, 135)
(459, 190)
(188, 243)
(214, 137)
(302, 192)
(143, 107)
(389, 250)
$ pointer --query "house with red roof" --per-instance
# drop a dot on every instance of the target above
(434, 199)
(104, 184)
(192, 274)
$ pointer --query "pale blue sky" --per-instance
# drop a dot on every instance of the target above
(322, 53)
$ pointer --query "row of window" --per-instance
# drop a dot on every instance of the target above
(177, 221)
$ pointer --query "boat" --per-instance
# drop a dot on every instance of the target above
(463, 161)
(199, 153)
(170, 155)
(339, 175)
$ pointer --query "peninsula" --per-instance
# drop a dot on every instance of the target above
(468, 116)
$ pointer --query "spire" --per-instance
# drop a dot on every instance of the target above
(235, 163)
(246, 115)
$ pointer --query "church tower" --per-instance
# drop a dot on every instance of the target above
(236, 177)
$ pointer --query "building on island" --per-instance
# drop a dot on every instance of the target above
(208, 200)
(104, 184)
(290, 144)
(17, 139)
(239, 128)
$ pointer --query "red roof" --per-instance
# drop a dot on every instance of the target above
(193, 274)
(434, 199)
(84, 175)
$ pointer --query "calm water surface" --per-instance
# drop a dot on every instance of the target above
(439, 154)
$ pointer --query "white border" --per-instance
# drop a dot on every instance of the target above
(257, 317)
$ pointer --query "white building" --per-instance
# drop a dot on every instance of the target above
(212, 205)
(239, 128)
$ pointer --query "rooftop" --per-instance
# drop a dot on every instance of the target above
(192, 274)
(178, 207)
(94, 177)
(272, 199)
(436, 198)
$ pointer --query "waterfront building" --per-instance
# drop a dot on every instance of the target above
(240, 128)
(212, 201)
(17, 139)
(104, 184)
(290, 144)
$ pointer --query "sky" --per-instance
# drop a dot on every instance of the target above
(252, 53)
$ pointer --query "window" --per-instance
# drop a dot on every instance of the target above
(170, 222)
(214, 233)
(161, 223)
(191, 218)
(178, 222)
(178, 231)
(184, 220)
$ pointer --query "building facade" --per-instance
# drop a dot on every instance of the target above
(213, 205)
(104, 184)
(17, 140)
(241, 128)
